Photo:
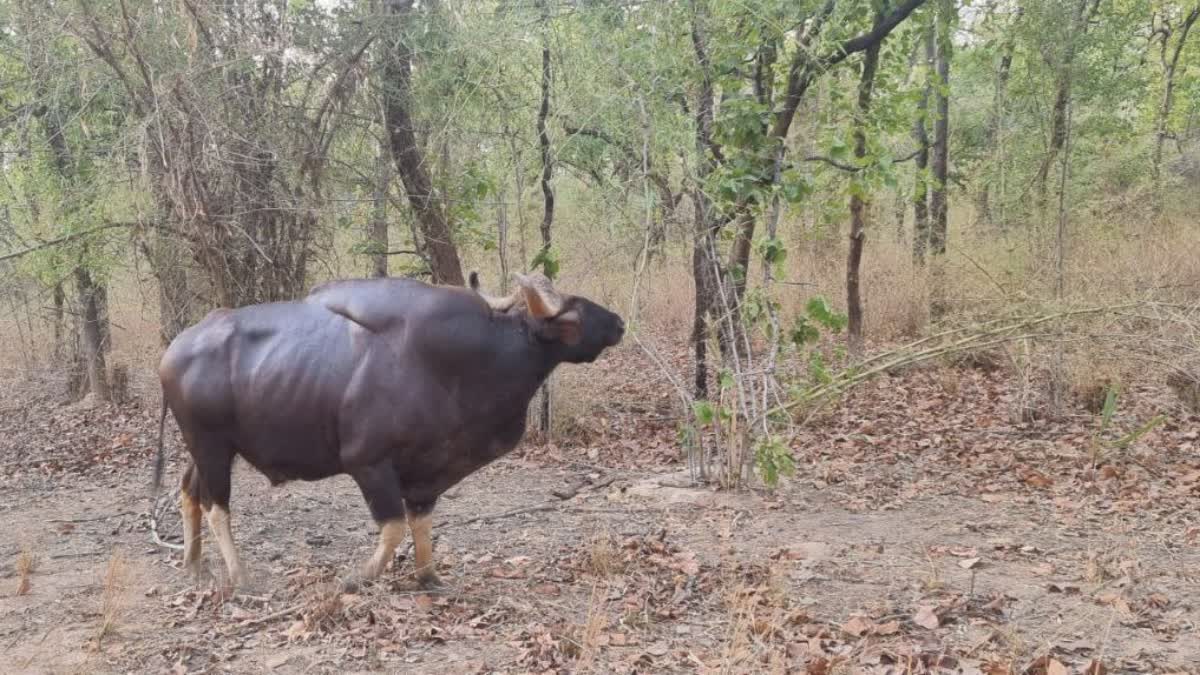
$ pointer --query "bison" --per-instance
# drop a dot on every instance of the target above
(406, 387)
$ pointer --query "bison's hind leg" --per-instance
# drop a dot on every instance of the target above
(212, 485)
(189, 507)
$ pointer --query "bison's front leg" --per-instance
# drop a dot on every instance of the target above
(420, 521)
(382, 494)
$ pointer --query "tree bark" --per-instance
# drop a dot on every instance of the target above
(921, 136)
(59, 301)
(445, 266)
(938, 203)
(92, 337)
(858, 206)
(378, 237)
(547, 190)
(707, 270)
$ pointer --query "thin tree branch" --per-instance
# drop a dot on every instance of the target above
(63, 240)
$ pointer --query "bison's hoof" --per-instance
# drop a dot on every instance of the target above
(429, 581)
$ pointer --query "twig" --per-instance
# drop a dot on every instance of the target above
(546, 506)
(63, 240)
(88, 520)
(272, 616)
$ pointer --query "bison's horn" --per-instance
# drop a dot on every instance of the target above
(540, 297)
(498, 304)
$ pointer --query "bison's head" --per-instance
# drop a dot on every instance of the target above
(576, 329)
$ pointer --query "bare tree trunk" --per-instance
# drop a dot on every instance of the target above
(938, 204)
(379, 223)
(1170, 66)
(858, 206)
(920, 196)
(59, 300)
(706, 265)
(445, 266)
(502, 235)
(547, 190)
(92, 337)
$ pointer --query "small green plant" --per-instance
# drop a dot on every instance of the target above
(1101, 445)
(773, 459)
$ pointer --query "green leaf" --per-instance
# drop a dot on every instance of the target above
(704, 412)
(725, 379)
(1132, 437)
(773, 459)
(802, 332)
(772, 250)
(819, 310)
(817, 369)
(1110, 407)
(547, 261)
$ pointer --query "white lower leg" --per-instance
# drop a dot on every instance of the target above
(391, 535)
(190, 511)
(423, 543)
(218, 522)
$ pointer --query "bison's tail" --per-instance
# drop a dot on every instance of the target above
(159, 461)
(159, 458)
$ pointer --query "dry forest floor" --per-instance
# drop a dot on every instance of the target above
(924, 531)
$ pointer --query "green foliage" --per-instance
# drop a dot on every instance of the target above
(546, 260)
(819, 310)
(1101, 444)
(773, 459)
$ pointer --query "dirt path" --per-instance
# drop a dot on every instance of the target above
(630, 576)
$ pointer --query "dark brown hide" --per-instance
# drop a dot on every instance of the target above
(406, 387)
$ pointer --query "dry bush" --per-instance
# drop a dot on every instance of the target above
(25, 566)
(113, 596)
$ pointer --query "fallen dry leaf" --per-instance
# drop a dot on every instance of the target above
(969, 563)
(889, 628)
(858, 626)
(1037, 479)
(926, 617)
(818, 666)
(1046, 665)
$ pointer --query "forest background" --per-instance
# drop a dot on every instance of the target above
(784, 199)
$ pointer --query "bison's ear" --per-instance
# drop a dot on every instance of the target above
(540, 297)
(569, 327)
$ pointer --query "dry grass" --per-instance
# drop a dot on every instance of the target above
(592, 630)
(738, 647)
(604, 556)
(986, 273)
(25, 566)
(323, 607)
(114, 596)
